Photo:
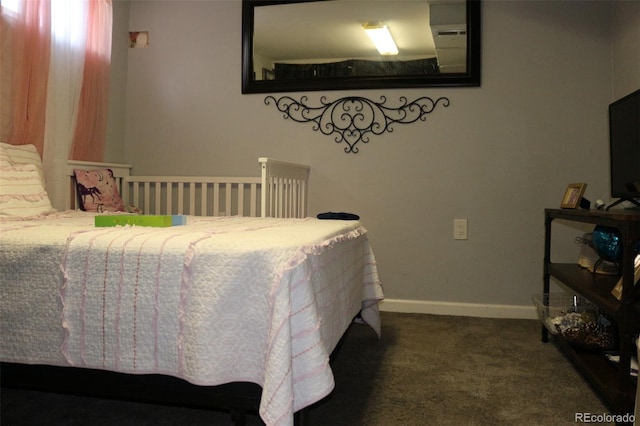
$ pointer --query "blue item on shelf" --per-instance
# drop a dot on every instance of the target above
(608, 243)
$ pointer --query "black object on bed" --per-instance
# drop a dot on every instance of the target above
(338, 216)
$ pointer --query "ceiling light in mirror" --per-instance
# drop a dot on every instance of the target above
(381, 38)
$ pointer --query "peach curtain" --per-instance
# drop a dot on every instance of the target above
(26, 60)
(26, 54)
(91, 122)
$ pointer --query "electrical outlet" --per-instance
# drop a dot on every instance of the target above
(459, 229)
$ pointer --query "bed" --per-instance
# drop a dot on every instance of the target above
(251, 290)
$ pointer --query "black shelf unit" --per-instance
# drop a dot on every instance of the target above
(613, 382)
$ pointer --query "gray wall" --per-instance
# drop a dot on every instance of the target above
(497, 156)
(625, 52)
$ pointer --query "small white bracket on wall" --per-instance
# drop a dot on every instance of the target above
(353, 119)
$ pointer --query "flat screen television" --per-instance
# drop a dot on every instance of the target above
(624, 141)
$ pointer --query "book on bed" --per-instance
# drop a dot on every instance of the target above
(159, 221)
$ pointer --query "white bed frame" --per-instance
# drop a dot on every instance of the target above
(280, 191)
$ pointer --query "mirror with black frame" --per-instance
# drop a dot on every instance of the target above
(303, 45)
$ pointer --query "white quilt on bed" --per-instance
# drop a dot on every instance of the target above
(220, 300)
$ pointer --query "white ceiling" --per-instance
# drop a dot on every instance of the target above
(332, 30)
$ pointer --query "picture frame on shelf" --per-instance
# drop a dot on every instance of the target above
(617, 290)
(572, 195)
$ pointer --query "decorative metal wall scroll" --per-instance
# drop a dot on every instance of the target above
(354, 118)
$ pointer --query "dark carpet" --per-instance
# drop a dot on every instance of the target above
(425, 370)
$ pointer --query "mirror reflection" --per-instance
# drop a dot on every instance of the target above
(301, 45)
(333, 39)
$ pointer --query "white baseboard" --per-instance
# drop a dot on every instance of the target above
(459, 309)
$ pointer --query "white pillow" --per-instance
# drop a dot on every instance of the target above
(21, 154)
(22, 192)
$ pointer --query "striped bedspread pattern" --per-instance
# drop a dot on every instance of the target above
(220, 300)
